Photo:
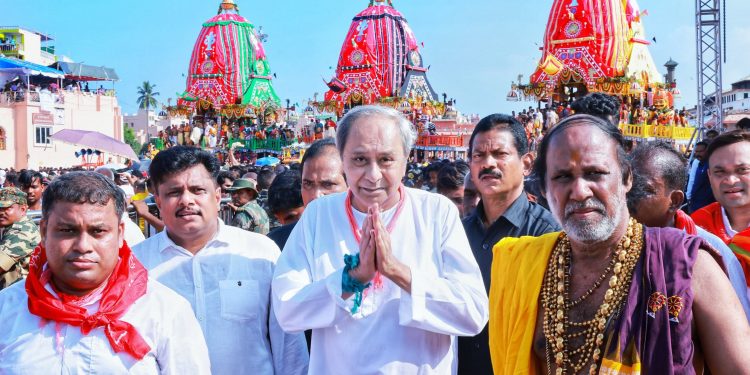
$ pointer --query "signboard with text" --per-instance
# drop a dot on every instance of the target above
(43, 118)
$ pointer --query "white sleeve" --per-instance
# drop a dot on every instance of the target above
(182, 348)
(300, 302)
(455, 302)
(289, 349)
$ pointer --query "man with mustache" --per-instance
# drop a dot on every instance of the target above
(728, 157)
(608, 295)
(223, 271)
(499, 161)
(322, 174)
(382, 274)
(87, 305)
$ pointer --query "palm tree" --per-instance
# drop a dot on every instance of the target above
(147, 96)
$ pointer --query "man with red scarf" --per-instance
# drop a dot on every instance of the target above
(728, 158)
(87, 305)
(659, 175)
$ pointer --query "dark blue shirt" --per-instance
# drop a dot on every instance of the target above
(702, 195)
(281, 234)
(522, 218)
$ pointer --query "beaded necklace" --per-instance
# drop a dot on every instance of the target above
(557, 326)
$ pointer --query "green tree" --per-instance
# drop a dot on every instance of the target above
(130, 139)
(147, 96)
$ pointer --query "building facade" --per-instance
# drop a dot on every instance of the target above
(26, 44)
(34, 105)
(27, 122)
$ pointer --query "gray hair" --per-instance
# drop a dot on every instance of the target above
(83, 187)
(106, 172)
(408, 134)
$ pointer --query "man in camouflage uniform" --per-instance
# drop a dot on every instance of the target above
(18, 236)
(249, 215)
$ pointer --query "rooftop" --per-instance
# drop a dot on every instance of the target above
(45, 37)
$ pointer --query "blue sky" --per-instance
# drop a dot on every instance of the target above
(475, 50)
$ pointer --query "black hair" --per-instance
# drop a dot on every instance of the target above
(83, 187)
(611, 131)
(27, 177)
(224, 175)
(317, 148)
(671, 167)
(11, 178)
(236, 171)
(180, 158)
(701, 143)
(504, 122)
(285, 192)
(462, 166)
(265, 179)
(726, 139)
(599, 105)
(449, 178)
(744, 123)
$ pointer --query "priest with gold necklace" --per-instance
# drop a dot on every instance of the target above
(382, 274)
(608, 295)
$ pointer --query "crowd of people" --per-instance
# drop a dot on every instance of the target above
(567, 252)
(47, 90)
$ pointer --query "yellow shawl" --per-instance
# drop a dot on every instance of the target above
(517, 273)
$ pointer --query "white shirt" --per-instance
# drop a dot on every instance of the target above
(195, 134)
(730, 232)
(727, 225)
(228, 283)
(28, 343)
(393, 332)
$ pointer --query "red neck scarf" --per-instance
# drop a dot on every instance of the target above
(126, 285)
(685, 222)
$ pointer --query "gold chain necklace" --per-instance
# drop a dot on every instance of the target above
(556, 303)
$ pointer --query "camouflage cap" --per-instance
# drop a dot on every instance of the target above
(10, 196)
(243, 183)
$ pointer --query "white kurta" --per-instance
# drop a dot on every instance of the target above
(394, 332)
(228, 284)
(28, 343)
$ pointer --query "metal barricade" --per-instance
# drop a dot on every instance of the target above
(35, 216)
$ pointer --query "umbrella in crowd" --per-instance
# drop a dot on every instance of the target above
(95, 140)
(268, 160)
